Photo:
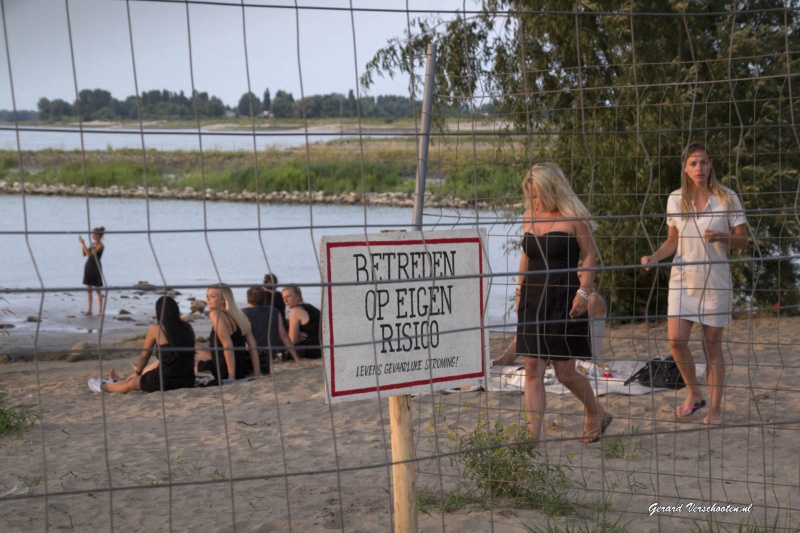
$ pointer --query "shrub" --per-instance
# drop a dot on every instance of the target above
(503, 462)
(14, 420)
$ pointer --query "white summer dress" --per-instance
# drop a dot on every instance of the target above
(702, 292)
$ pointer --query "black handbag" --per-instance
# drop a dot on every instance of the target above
(661, 373)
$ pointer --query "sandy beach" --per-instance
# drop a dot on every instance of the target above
(271, 455)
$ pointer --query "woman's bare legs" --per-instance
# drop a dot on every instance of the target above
(509, 355)
(88, 311)
(712, 345)
(152, 365)
(128, 385)
(678, 331)
(534, 394)
(568, 375)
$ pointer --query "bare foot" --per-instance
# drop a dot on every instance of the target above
(112, 374)
(86, 313)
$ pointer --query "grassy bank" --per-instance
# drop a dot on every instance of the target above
(461, 171)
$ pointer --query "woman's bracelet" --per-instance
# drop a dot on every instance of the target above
(583, 293)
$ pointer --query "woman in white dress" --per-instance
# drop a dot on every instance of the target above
(705, 221)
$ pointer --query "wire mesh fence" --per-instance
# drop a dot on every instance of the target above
(612, 96)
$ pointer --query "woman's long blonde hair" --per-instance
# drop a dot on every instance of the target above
(230, 306)
(554, 192)
(688, 190)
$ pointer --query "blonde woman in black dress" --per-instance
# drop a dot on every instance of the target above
(93, 270)
(553, 296)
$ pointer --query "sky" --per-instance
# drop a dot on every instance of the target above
(334, 46)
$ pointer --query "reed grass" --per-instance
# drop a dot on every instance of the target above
(14, 419)
(466, 171)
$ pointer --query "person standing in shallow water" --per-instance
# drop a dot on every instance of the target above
(705, 221)
(93, 270)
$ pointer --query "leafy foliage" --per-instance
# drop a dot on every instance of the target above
(249, 105)
(613, 95)
(504, 463)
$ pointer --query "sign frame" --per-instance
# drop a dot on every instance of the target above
(465, 241)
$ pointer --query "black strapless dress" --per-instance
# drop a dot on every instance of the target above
(544, 327)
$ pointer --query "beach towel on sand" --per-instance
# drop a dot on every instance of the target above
(605, 378)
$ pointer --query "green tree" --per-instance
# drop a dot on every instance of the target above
(266, 103)
(309, 107)
(43, 106)
(60, 109)
(91, 101)
(614, 95)
(249, 105)
(283, 105)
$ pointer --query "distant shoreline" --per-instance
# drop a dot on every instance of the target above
(365, 126)
(388, 199)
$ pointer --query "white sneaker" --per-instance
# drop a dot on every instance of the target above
(95, 384)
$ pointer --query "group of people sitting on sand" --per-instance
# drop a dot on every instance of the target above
(242, 344)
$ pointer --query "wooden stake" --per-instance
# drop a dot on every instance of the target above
(404, 474)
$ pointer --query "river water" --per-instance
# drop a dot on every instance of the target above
(58, 138)
(186, 245)
(191, 244)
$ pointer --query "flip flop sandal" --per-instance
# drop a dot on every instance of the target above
(682, 411)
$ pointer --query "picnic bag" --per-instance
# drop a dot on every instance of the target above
(659, 373)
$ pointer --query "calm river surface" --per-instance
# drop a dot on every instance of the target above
(57, 138)
(190, 244)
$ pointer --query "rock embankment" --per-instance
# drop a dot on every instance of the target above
(396, 199)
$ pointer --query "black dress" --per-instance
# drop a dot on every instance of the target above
(240, 354)
(544, 327)
(177, 367)
(92, 271)
(310, 346)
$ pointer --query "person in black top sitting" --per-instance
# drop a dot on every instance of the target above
(268, 330)
(274, 297)
(172, 339)
(304, 325)
(231, 339)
